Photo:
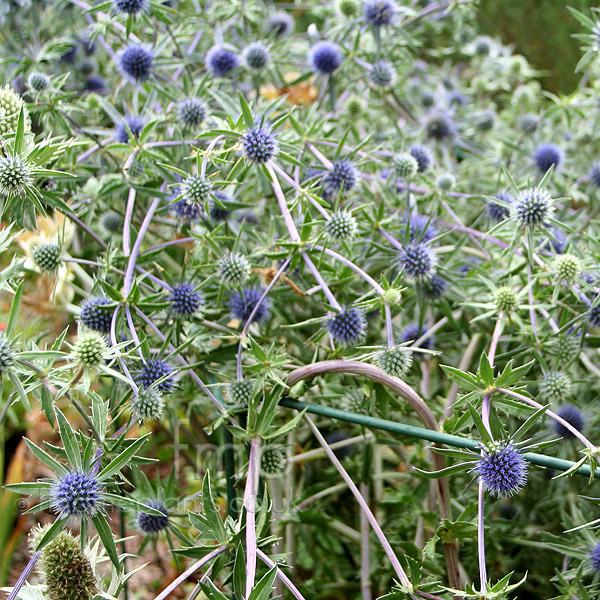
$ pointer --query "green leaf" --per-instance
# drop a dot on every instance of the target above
(52, 532)
(108, 541)
(485, 370)
(263, 589)
(122, 459)
(132, 505)
(210, 511)
(60, 469)
(246, 112)
(14, 312)
(67, 436)
(481, 429)
(19, 389)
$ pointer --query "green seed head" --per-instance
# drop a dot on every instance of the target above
(240, 392)
(506, 299)
(148, 404)
(391, 297)
(273, 460)
(446, 181)
(234, 269)
(355, 106)
(348, 8)
(342, 226)
(47, 257)
(67, 570)
(6, 355)
(10, 108)
(395, 361)
(566, 267)
(555, 386)
(15, 176)
(90, 350)
(357, 402)
(405, 165)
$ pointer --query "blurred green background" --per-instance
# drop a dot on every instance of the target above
(541, 31)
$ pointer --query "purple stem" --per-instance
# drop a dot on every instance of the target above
(365, 562)
(197, 565)
(400, 573)
(184, 240)
(251, 507)
(24, 575)
(370, 281)
(127, 222)
(284, 578)
(317, 275)
(485, 417)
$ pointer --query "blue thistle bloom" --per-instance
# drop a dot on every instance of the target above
(595, 558)
(77, 494)
(256, 56)
(571, 415)
(94, 314)
(548, 155)
(280, 23)
(423, 156)
(135, 124)
(347, 326)
(594, 175)
(191, 112)
(533, 207)
(220, 61)
(379, 12)
(418, 261)
(421, 228)
(413, 332)
(259, 145)
(187, 212)
(153, 370)
(382, 73)
(185, 301)
(242, 303)
(96, 84)
(70, 56)
(457, 98)
(435, 286)
(440, 127)
(496, 211)
(130, 7)
(136, 62)
(341, 175)
(153, 523)
(502, 469)
(325, 57)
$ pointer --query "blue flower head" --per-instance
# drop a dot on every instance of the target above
(496, 211)
(379, 12)
(347, 326)
(256, 56)
(435, 286)
(135, 124)
(423, 156)
(439, 126)
(325, 57)
(340, 176)
(185, 301)
(571, 415)
(191, 112)
(418, 261)
(548, 155)
(94, 314)
(220, 61)
(594, 175)
(130, 7)
(242, 303)
(187, 212)
(96, 84)
(502, 469)
(421, 228)
(414, 332)
(153, 370)
(595, 558)
(280, 23)
(153, 523)
(77, 494)
(260, 145)
(136, 62)
(533, 207)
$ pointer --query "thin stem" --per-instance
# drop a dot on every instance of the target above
(251, 507)
(387, 548)
(186, 574)
(284, 578)
(127, 222)
(365, 562)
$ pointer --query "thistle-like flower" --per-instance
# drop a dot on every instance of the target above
(77, 494)
(417, 261)
(240, 392)
(256, 56)
(273, 461)
(555, 386)
(395, 361)
(47, 257)
(423, 156)
(325, 57)
(533, 207)
(15, 176)
(185, 300)
(196, 190)
(153, 524)
(340, 176)
(506, 299)
(260, 145)
(156, 370)
(548, 155)
(347, 326)
(220, 61)
(136, 62)
(502, 469)
(6, 355)
(234, 270)
(95, 315)
(379, 13)
(566, 267)
(191, 112)
(341, 226)
(243, 302)
(571, 415)
(91, 349)
(147, 404)
(405, 165)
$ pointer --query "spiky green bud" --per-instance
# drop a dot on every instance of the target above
(395, 361)
(566, 267)
(90, 350)
(273, 460)
(10, 108)
(240, 392)
(556, 386)
(505, 299)
(47, 257)
(405, 165)
(147, 404)
(342, 226)
(234, 270)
